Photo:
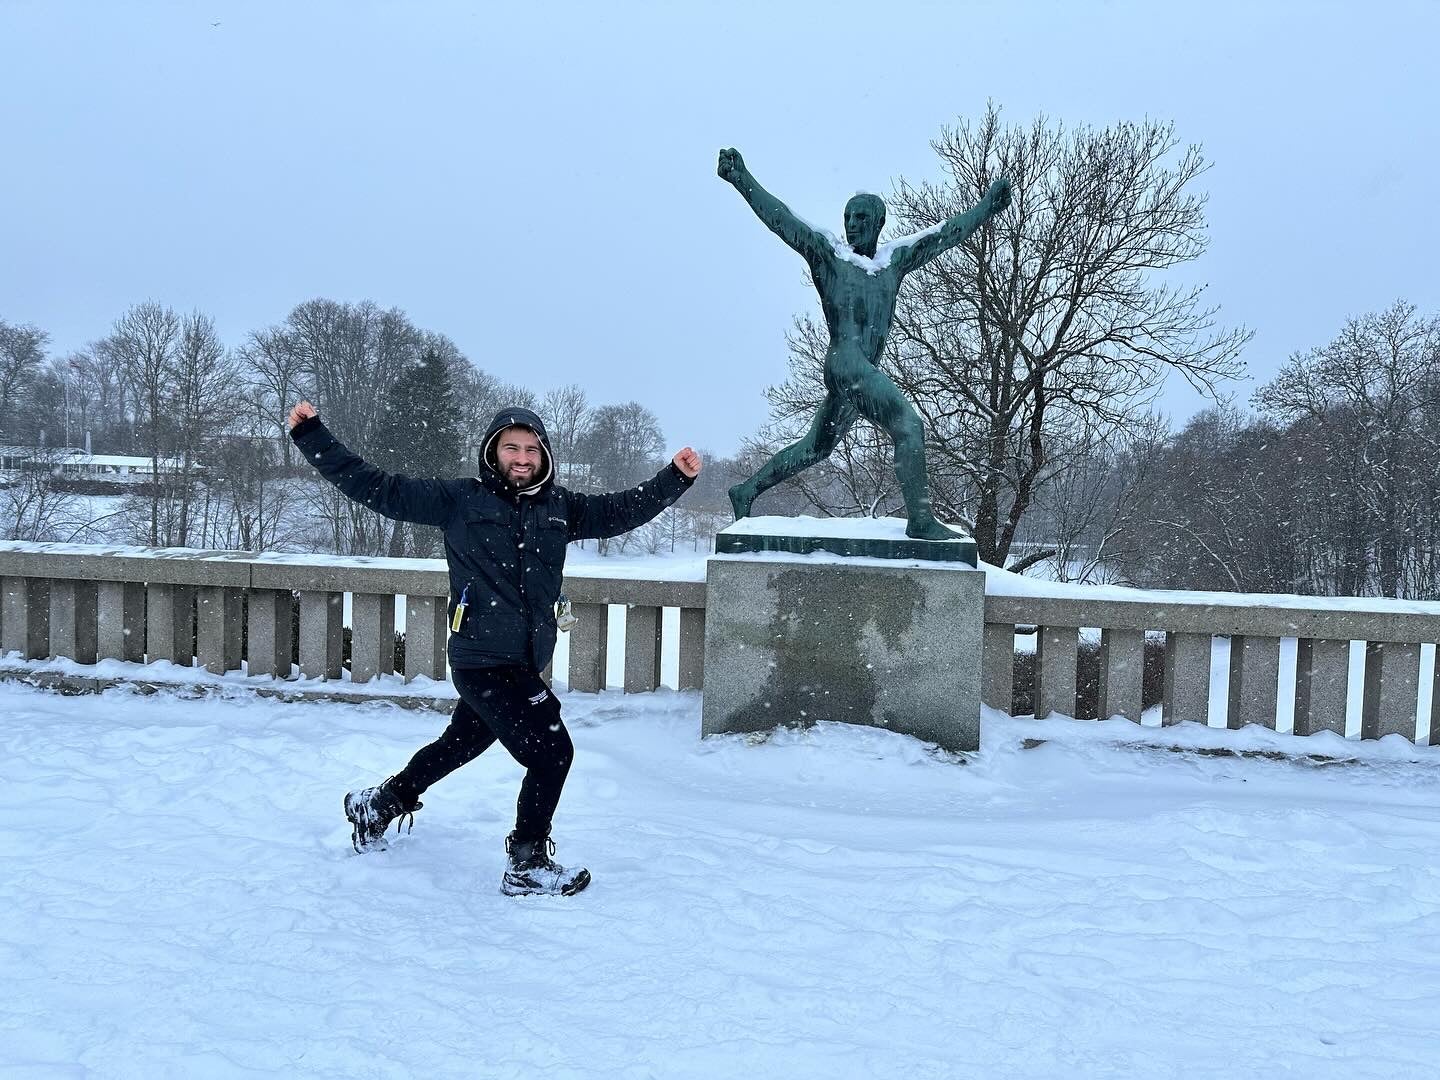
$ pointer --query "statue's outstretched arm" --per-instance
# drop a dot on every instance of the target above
(953, 230)
(778, 218)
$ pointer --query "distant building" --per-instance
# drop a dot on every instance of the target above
(79, 468)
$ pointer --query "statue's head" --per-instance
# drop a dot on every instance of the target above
(864, 218)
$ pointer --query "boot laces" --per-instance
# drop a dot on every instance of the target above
(403, 812)
(540, 854)
(408, 817)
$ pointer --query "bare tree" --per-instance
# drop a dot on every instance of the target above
(144, 341)
(622, 443)
(22, 351)
(34, 504)
(566, 411)
(99, 380)
(1219, 506)
(348, 356)
(207, 395)
(1092, 503)
(251, 514)
(272, 356)
(1366, 396)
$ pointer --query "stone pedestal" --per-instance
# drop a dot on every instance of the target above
(876, 538)
(794, 640)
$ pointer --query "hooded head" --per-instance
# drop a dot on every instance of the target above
(490, 454)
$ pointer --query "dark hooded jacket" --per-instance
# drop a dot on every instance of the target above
(505, 548)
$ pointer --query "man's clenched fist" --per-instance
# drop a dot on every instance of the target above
(303, 411)
(688, 462)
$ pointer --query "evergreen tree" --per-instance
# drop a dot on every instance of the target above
(419, 433)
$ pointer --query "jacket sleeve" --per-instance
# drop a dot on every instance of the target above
(594, 516)
(425, 502)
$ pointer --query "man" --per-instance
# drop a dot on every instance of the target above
(857, 290)
(505, 535)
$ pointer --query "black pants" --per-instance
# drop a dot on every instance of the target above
(511, 705)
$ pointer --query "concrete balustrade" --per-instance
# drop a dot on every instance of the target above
(270, 631)
(1056, 654)
(219, 616)
(1322, 677)
(120, 620)
(1191, 622)
(1254, 680)
(589, 645)
(74, 619)
(25, 616)
(372, 635)
(644, 602)
(692, 648)
(228, 611)
(1187, 678)
(321, 634)
(169, 622)
(997, 667)
(1122, 671)
(642, 649)
(88, 603)
(425, 635)
(1392, 683)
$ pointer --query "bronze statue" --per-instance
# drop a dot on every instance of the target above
(857, 292)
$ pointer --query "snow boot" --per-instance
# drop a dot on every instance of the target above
(532, 872)
(370, 812)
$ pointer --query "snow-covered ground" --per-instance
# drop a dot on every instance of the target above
(181, 901)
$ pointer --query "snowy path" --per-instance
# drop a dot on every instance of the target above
(180, 901)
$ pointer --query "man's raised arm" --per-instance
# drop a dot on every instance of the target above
(952, 231)
(425, 502)
(594, 516)
(778, 218)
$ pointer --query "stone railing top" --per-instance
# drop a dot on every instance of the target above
(1012, 598)
(1003, 583)
(680, 582)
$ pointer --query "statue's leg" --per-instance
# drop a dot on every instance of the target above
(881, 402)
(832, 420)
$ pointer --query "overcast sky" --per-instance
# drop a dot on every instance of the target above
(538, 180)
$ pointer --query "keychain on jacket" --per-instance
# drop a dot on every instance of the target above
(459, 610)
(565, 617)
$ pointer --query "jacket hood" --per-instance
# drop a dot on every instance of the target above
(518, 417)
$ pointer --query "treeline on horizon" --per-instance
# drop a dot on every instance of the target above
(1033, 353)
(212, 420)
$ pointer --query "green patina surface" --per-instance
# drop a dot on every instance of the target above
(857, 293)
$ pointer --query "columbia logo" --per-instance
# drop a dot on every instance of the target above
(558, 521)
(538, 698)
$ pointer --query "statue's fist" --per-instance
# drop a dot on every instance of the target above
(732, 165)
(999, 195)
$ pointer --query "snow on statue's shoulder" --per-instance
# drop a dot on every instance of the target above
(884, 253)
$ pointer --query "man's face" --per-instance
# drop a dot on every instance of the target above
(519, 456)
(864, 218)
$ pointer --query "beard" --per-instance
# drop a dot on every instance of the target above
(518, 479)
